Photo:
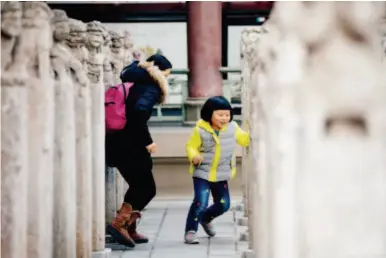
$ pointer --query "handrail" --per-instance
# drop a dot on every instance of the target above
(221, 70)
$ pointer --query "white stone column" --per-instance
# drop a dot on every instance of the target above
(69, 78)
(14, 168)
(97, 90)
(98, 165)
(249, 48)
(117, 57)
(41, 113)
(245, 114)
(119, 188)
(111, 194)
(325, 129)
(14, 136)
(110, 180)
(84, 169)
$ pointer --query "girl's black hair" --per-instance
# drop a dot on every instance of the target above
(213, 104)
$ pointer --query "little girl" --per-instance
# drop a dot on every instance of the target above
(211, 151)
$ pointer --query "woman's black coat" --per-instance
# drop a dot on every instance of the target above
(129, 145)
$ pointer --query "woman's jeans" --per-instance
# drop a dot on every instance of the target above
(199, 211)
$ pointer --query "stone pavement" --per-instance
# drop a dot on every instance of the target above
(164, 222)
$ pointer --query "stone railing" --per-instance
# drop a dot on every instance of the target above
(54, 71)
(172, 112)
(315, 173)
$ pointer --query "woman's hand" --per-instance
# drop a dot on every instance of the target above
(197, 160)
(151, 148)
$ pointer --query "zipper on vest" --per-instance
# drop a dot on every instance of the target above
(216, 157)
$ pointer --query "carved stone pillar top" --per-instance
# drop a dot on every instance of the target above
(95, 38)
(117, 54)
(250, 38)
(11, 25)
(117, 40)
(33, 12)
(77, 40)
(77, 35)
(61, 26)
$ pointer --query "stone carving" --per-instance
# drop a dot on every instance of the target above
(11, 25)
(36, 43)
(317, 95)
(95, 73)
(68, 72)
(117, 55)
(108, 78)
(77, 41)
(14, 137)
(36, 40)
(63, 61)
(249, 44)
(94, 45)
(128, 48)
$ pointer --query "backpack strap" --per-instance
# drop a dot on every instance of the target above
(129, 85)
(124, 90)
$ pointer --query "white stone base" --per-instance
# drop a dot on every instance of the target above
(242, 233)
(238, 207)
(102, 254)
(242, 221)
(248, 254)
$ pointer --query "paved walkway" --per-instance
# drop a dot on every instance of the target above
(164, 222)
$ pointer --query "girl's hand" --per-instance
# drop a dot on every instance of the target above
(197, 160)
(151, 148)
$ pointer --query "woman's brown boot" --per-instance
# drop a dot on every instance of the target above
(118, 230)
(137, 237)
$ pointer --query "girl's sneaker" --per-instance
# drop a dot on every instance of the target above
(190, 238)
(209, 229)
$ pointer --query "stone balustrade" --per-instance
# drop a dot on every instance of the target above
(315, 173)
(54, 72)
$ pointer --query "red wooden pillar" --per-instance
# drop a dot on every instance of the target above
(204, 55)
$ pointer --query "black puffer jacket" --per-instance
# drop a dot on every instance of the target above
(149, 89)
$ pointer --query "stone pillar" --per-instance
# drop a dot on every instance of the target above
(204, 55)
(96, 59)
(108, 80)
(111, 194)
(249, 43)
(119, 190)
(84, 177)
(118, 55)
(38, 37)
(65, 171)
(14, 131)
(324, 133)
(245, 117)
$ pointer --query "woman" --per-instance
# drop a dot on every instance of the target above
(130, 149)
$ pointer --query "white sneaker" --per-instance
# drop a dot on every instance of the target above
(190, 238)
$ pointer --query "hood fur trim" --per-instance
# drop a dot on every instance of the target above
(159, 77)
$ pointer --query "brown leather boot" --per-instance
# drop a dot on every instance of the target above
(137, 237)
(118, 230)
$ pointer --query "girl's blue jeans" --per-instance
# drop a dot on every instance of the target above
(199, 211)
